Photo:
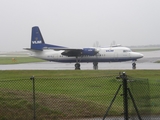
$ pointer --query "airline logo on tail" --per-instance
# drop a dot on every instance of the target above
(37, 42)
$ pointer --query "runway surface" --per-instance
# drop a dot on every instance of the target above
(147, 62)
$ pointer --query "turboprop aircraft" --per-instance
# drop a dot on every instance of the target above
(57, 53)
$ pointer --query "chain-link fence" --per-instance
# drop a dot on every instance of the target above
(89, 98)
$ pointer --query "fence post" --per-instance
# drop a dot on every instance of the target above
(34, 100)
(125, 95)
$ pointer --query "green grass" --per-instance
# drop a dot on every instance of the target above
(157, 61)
(145, 49)
(18, 60)
(94, 89)
(152, 75)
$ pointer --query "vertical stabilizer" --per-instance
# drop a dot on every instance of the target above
(37, 42)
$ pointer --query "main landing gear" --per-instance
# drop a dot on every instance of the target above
(95, 65)
(77, 66)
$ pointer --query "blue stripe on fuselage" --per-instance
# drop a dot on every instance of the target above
(92, 60)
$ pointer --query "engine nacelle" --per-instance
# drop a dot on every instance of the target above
(89, 51)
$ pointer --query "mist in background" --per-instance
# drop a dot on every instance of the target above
(80, 23)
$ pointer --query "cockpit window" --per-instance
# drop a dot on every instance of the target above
(127, 51)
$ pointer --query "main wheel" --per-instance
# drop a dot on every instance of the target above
(77, 66)
(95, 65)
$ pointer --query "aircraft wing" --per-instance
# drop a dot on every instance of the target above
(67, 51)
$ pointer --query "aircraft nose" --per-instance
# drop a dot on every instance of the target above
(141, 55)
(136, 55)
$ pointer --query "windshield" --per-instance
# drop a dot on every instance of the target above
(127, 50)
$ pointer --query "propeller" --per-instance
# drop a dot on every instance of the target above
(96, 46)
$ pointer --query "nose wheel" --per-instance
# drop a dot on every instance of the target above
(133, 65)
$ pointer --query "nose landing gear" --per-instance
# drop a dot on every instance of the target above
(133, 65)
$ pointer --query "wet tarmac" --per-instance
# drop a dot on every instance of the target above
(147, 62)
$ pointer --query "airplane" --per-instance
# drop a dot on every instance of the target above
(63, 54)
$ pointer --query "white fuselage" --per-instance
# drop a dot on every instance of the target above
(111, 54)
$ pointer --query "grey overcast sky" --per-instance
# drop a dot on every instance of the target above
(79, 23)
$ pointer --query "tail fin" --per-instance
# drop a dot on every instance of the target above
(37, 41)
